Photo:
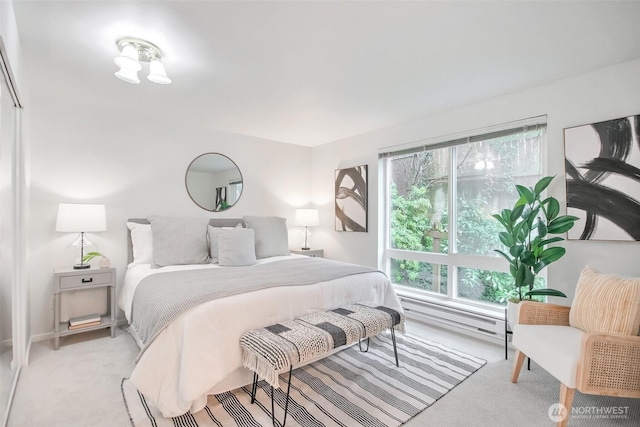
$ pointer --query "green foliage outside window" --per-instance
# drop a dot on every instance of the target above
(477, 233)
(419, 207)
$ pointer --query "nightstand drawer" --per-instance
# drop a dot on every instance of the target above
(89, 279)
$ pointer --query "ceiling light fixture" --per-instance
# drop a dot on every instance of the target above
(132, 51)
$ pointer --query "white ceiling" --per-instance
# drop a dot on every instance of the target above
(309, 73)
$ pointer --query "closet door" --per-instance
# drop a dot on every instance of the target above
(10, 233)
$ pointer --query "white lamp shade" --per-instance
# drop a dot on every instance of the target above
(81, 217)
(129, 76)
(157, 73)
(128, 58)
(307, 217)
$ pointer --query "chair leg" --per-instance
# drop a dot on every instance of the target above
(517, 365)
(566, 399)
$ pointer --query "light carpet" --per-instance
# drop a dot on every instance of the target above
(345, 389)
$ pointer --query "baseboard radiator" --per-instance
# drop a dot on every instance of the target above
(464, 321)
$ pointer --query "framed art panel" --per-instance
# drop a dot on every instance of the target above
(351, 199)
(602, 162)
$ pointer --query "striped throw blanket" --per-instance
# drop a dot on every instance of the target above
(270, 350)
(161, 298)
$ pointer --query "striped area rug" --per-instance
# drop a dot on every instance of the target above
(348, 388)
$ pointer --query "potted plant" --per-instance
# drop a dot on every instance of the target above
(529, 227)
(104, 262)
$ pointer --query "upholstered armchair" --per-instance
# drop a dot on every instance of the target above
(592, 346)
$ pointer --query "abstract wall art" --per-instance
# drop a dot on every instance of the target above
(602, 162)
(351, 199)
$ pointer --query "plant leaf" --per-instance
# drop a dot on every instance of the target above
(553, 208)
(90, 255)
(513, 270)
(506, 216)
(516, 250)
(551, 240)
(507, 257)
(517, 234)
(506, 239)
(562, 224)
(526, 193)
(501, 220)
(521, 275)
(542, 229)
(516, 212)
(545, 292)
(550, 255)
(528, 258)
(543, 183)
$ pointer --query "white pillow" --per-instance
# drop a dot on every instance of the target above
(142, 242)
(179, 241)
(272, 237)
(237, 247)
(213, 233)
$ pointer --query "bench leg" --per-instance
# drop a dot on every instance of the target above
(395, 348)
(393, 339)
(254, 386)
(286, 405)
(360, 346)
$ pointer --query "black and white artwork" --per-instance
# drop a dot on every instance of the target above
(351, 199)
(602, 162)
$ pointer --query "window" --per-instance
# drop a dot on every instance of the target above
(440, 236)
(235, 189)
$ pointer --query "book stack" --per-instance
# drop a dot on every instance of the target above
(84, 321)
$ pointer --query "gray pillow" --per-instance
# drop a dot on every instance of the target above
(236, 247)
(272, 237)
(178, 241)
(213, 233)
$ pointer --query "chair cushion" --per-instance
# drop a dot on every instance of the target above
(555, 348)
(606, 304)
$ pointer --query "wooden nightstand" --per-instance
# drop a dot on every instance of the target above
(311, 252)
(68, 279)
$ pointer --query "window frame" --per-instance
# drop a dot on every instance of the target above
(453, 259)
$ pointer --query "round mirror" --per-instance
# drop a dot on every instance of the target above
(213, 182)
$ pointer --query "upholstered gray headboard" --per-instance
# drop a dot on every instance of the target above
(215, 222)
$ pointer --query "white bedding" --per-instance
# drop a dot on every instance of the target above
(199, 353)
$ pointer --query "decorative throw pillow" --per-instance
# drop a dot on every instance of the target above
(237, 247)
(213, 233)
(605, 303)
(272, 237)
(142, 243)
(178, 241)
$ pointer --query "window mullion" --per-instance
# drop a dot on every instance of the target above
(452, 288)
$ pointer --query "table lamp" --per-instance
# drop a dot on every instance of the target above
(81, 218)
(306, 218)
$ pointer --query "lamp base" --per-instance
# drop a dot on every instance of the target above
(81, 266)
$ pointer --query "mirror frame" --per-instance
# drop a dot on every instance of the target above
(186, 182)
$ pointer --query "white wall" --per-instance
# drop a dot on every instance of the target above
(592, 97)
(136, 166)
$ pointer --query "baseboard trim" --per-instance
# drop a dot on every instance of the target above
(12, 393)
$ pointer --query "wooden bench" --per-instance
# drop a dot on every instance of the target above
(271, 350)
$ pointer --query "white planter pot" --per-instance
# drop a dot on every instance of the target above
(513, 309)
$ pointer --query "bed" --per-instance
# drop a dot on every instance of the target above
(197, 352)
